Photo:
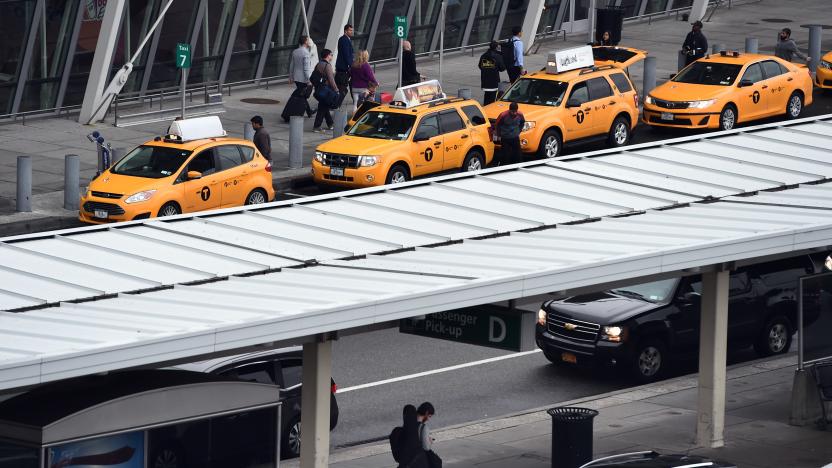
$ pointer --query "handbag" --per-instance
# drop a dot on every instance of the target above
(433, 459)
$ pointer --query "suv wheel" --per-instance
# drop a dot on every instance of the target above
(291, 439)
(619, 132)
(775, 338)
(650, 360)
(550, 144)
(473, 162)
(398, 174)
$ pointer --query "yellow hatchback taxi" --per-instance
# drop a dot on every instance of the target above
(723, 90)
(194, 168)
(573, 100)
(823, 75)
(420, 132)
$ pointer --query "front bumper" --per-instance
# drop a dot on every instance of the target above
(823, 78)
(657, 116)
(353, 177)
(116, 210)
(598, 354)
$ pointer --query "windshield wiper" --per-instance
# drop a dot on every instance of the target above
(633, 294)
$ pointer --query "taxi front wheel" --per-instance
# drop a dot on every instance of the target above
(550, 144)
(728, 117)
(169, 209)
(619, 132)
(795, 106)
(398, 174)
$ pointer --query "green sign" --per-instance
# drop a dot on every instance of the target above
(400, 27)
(183, 55)
(491, 326)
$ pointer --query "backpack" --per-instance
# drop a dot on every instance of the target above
(396, 443)
(507, 51)
(317, 78)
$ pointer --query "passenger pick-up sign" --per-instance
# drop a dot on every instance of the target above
(563, 60)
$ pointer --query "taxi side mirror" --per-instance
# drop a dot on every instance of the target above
(572, 102)
(194, 175)
(421, 136)
(745, 83)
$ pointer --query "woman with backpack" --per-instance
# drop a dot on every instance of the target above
(326, 91)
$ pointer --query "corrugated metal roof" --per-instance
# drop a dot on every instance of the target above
(92, 262)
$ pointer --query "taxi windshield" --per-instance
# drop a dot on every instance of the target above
(709, 73)
(383, 125)
(153, 162)
(536, 92)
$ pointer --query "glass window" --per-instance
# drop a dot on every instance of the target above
(154, 162)
(753, 73)
(581, 9)
(423, 24)
(251, 32)
(515, 14)
(772, 68)
(128, 446)
(204, 163)
(549, 16)
(242, 440)
(383, 125)
(537, 92)
(580, 93)
(456, 19)
(451, 121)
(621, 82)
(599, 88)
(363, 13)
(13, 455)
(229, 156)
(630, 7)
(287, 30)
(319, 20)
(428, 127)
(655, 291)
(292, 370)
(485, 21)
(176, 28)
(385, 44)
(15, 19)
(248, 153)
(682, 3)
(186, 444)
(654, 6)
(784, 273)
(738, 283)
(261, 372)
(474, 115)
(709, 73)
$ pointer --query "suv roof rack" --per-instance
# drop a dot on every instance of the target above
(595, 68)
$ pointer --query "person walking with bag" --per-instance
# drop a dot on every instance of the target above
(300, 69)
(361, 78)
(408, 448)
(490, 65)
(326, 91)
(423, 414)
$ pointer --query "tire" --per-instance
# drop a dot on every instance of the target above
(169, 209)
(551, 144)
(728, 117)
(398, 173)
(775, 338)
(290, 440)
(619, 132)
(256, 197)
(794, 106)
(475, 161)
(650, 360)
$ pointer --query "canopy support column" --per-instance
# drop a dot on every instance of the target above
(316, 394)
(713, 345)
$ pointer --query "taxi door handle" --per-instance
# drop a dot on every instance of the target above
(437, 143)
(464, 136)
(790, 79)
(765, 86)
(611, 103)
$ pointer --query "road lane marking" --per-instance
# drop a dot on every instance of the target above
(436, 371)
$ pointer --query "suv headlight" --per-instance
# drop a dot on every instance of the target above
(367, 161)
(649, 99)
(701, 104)
(319, 156)
(825, 64)
(614, 333)
(541, 317)
(140, 196)
(528, 126)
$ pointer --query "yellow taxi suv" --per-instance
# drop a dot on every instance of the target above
(823, 75)
(420, 132)
(574, 100)
(720, 91)
(194, 168)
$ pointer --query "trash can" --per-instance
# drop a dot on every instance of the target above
(571, 436)
(610, 19)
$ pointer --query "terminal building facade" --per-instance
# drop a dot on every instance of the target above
(47, 47)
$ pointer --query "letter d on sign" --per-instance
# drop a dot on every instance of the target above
(491, 329)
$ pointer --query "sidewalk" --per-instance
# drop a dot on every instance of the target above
(660, 416)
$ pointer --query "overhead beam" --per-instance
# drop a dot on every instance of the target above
(104, 50)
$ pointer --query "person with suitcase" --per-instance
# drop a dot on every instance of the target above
(326, 91)
(300, 68)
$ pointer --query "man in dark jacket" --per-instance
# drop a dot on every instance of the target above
(695, 45)
(490, 64)
(261, 139)
(343, 62)
(409, 73)
(508, 127)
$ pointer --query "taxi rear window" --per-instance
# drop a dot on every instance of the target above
(383, 125)
(536, 92)
(709, 73)
(621, 82)
(153, 162)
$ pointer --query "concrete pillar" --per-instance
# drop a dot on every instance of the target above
(697, 10)
(649, 75)
(717, 48)
(713, 346)
(315, 394)
(752, 45)
(106, 46)
(531, 21)
(24, 183)
(680, 60)
(464, 93)
(248, 131)
(815, 33)
(339, 121)
(805, 409)
(72, 168)
(295, 142)
(340, 17)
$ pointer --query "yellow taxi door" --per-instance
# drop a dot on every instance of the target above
(578, 121)
(232, 175)
(603, 104)
(778, 86)
(429, 151)
(753, 96)
(203, 193)
(455, 137)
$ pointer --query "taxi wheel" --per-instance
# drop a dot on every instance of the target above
(550, 144)
(619, 132)
(795, 106)
(728, 117)
(398, 174)
(473, 162)
(169, 209)
(256, 197)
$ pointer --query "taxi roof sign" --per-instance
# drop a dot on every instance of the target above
(563, 60)
(197, 128)
(418, 94)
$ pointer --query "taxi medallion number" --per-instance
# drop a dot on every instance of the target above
(337, 171)
(667, 116)
(569, 357)
(101, 214)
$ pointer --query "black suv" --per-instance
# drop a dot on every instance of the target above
(641, 327)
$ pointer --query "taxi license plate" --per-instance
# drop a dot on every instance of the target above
(336, 171)
(101, 214)
(569, 357)
(667, 116)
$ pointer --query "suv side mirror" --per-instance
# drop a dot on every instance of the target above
(690, 297)
(745, 83)
(572, 102)
(192, 175)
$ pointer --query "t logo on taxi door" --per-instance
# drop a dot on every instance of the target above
(428, 154)
(755, 97)
(205, 193)
(580, 116)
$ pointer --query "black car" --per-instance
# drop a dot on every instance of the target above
(281, 367)
(655, 460)
(642, 327)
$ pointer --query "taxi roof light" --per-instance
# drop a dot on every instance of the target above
(195, 129)
(417, 94)
(559, 61)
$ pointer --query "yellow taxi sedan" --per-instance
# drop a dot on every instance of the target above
(194, 168)
(723, 90)
(823, 75)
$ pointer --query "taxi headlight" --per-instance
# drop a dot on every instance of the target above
(87, 191)
(528, 126)
(701, 104)
(615, 333)
(825, 64)
(649, 99)
(367, 161)
(140, 196)
(319, 156)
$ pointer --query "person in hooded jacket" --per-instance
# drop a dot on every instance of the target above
(412, 454)
(491, 64)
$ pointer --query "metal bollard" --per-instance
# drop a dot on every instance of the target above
(464, 93)
(649, 75)
(752, 45)
(72, 170)
(339, 118)
(717, 48)
(24, 183)
(815, 33)
(248, 131)
(295, 142)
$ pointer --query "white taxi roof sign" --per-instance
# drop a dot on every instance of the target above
(563, 60)
(418, 94)
(197, 128)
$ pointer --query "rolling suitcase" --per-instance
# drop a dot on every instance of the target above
(296, 105)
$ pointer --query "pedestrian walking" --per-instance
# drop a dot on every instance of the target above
(786, 48)
(409, 73)
(423, 414)
(508, 127)
(344, 60)
(410, 452)
(513, 54)
(696, 45)
(300, 68)
(361, 78)
(326, 91)
(490, 65)
(261, 139)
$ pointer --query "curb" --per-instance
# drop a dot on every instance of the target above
(47, 223)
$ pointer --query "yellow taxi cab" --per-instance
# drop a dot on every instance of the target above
(420, 132)
(193, 168)
(720, 91)
(823, 75)
(574, 100)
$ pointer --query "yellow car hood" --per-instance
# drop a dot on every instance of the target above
(126, 185)
(354, 145)
(673, 91)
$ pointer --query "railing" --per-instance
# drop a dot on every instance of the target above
(539, 37)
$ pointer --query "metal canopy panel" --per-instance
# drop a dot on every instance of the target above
(821, 128)
(759, 141)
(794, 135)
(775, 161)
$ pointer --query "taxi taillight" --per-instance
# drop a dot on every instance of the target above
(635, 99)
(268, 166)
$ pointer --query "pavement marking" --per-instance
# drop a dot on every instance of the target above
(290, 194)
(436, 371)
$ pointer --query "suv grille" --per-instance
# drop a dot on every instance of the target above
(107, 195)
(111, 208)
(572, 329)
(671, 104)
(340, 160)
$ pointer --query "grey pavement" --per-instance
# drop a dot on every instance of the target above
(659, 416)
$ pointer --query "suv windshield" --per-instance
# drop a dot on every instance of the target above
(656, 291)
(709, 73)
(154, 162)
(383, 125)
(536, 92)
